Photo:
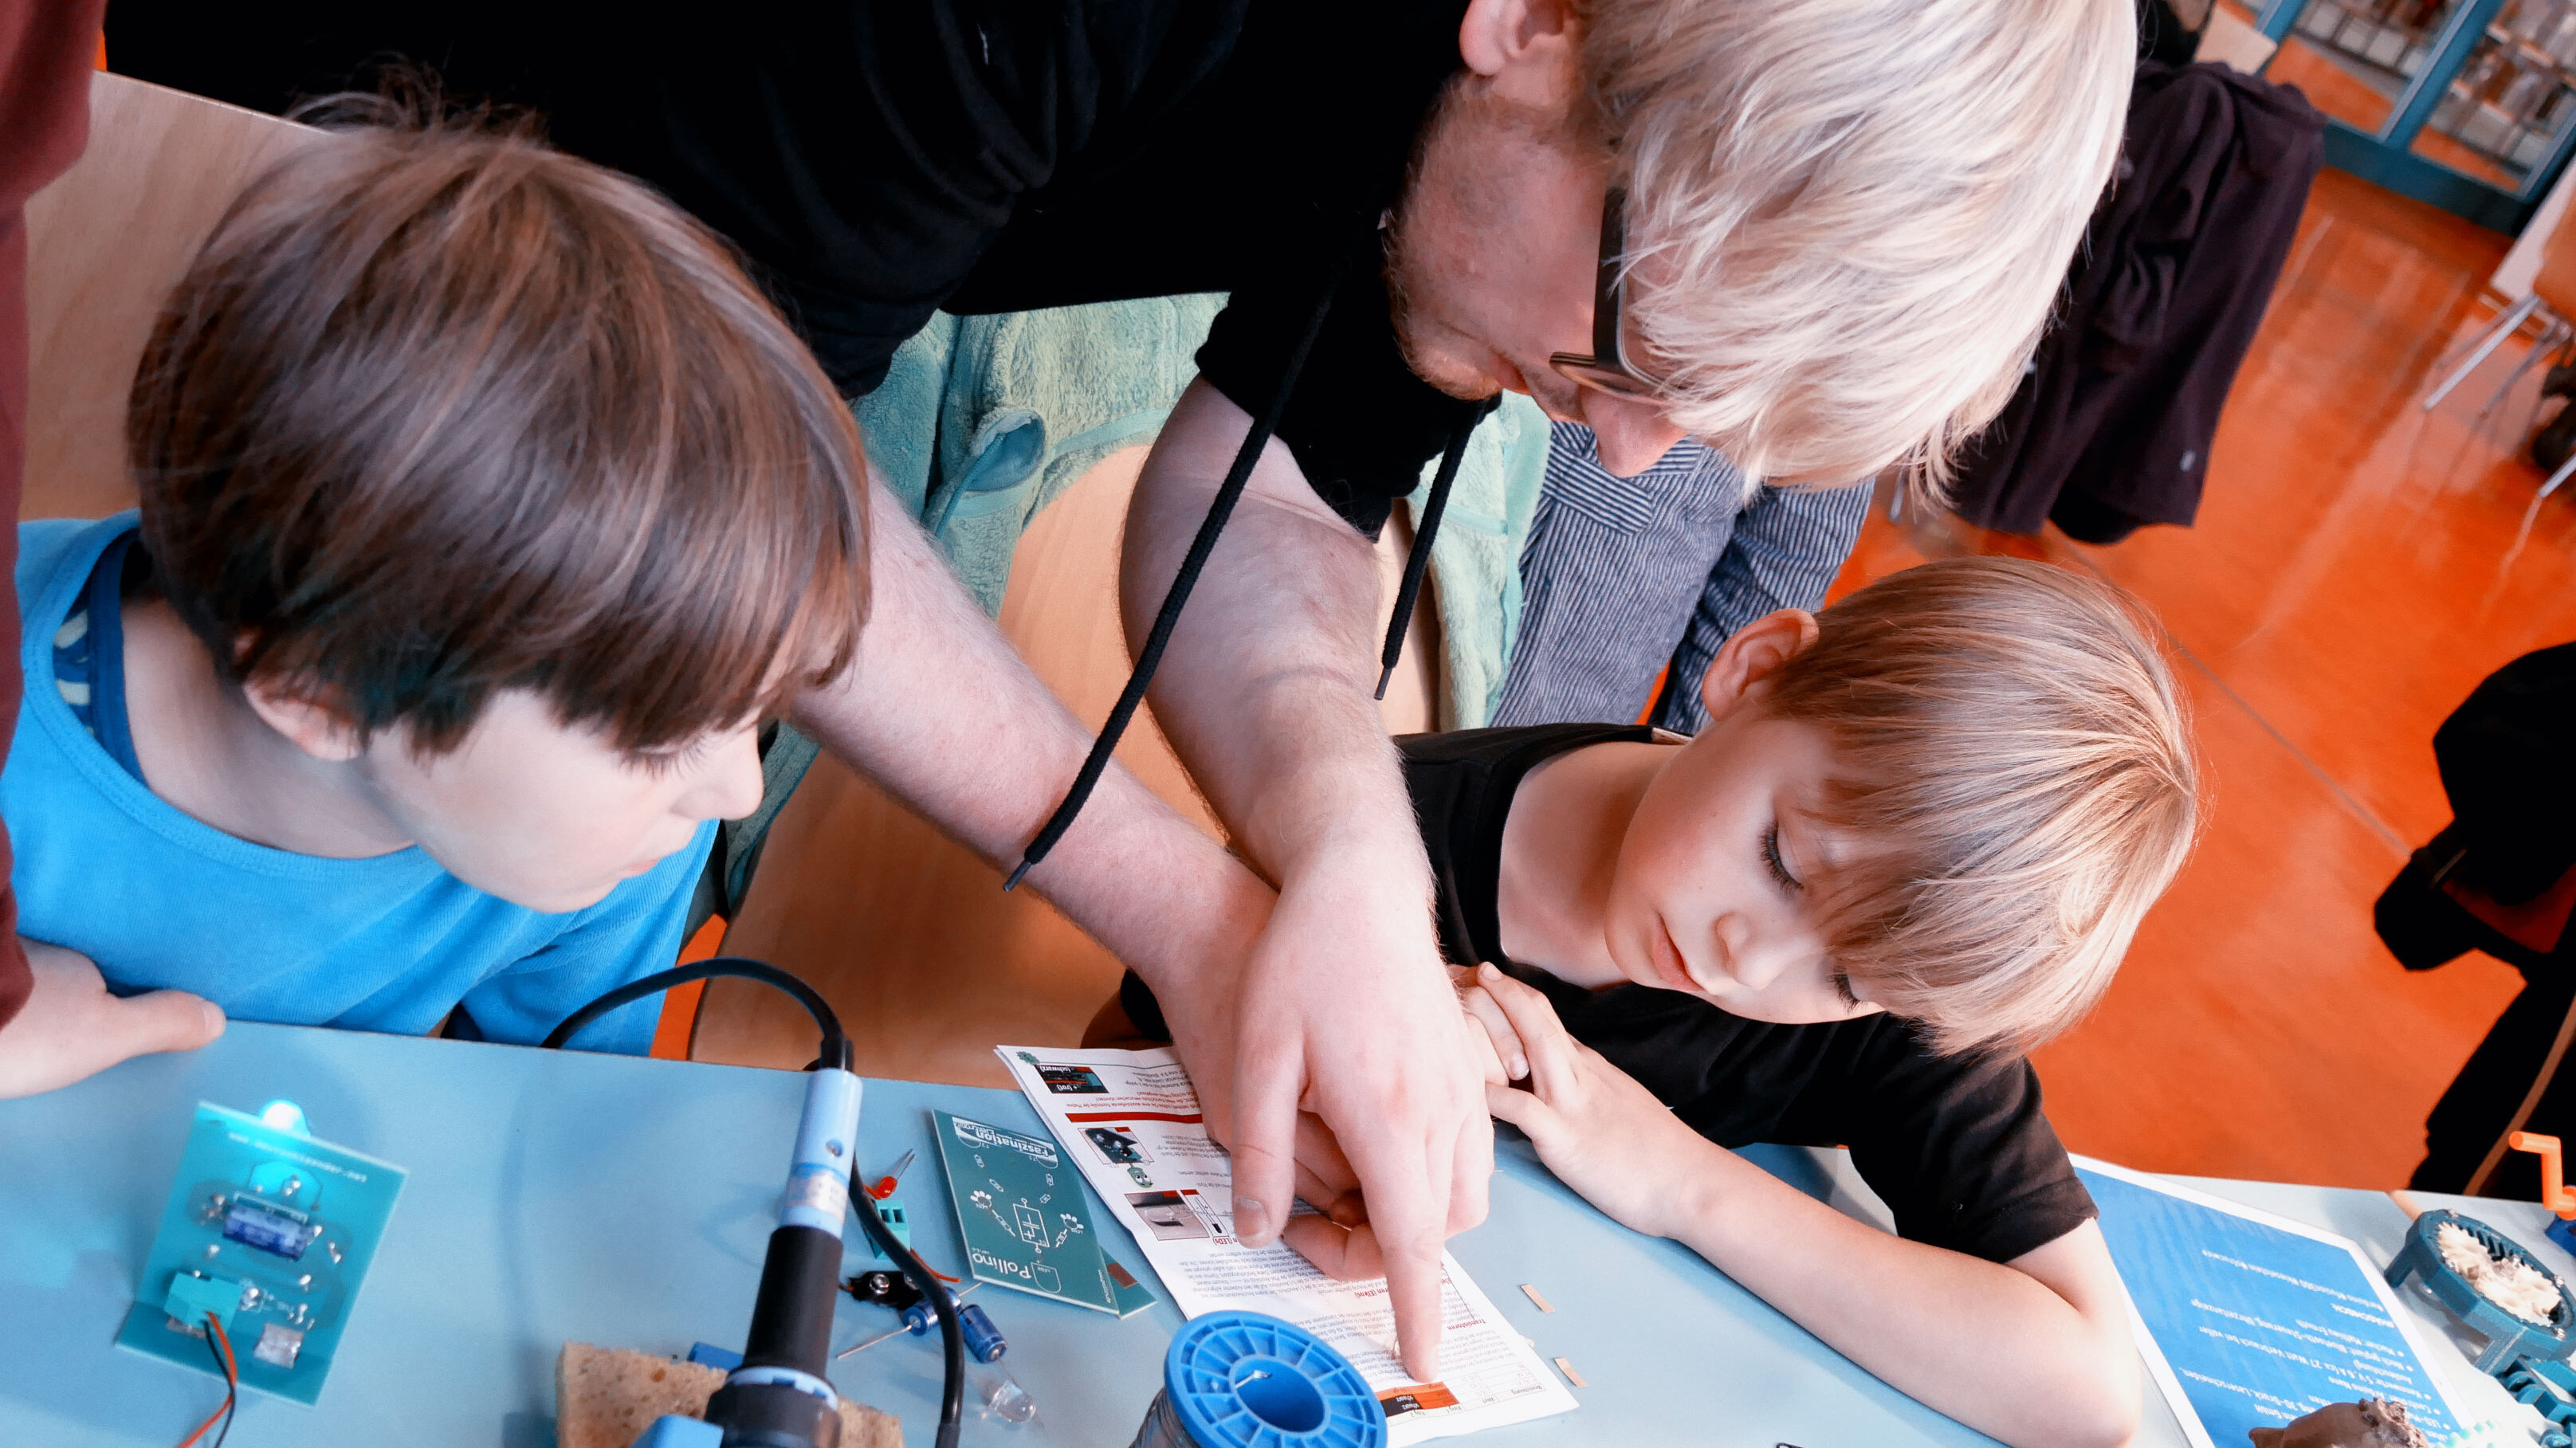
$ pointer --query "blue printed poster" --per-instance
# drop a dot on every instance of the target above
(2249, 1321)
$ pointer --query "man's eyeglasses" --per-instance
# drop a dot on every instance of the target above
(1606, 367)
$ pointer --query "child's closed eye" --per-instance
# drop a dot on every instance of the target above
(1771, 857)
(666, 763)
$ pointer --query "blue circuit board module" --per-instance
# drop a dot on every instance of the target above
(269, 1232)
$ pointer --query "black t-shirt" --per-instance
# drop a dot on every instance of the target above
(880, 159)
(1957, 1146)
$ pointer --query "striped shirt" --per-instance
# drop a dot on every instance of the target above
(1621, 577)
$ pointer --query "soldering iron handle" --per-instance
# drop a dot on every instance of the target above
(791, 1319)
(800, 1280)
(779, 1397)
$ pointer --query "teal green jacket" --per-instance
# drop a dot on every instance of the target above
(983, 421)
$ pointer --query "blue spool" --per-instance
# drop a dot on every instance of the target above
(1243, 1380)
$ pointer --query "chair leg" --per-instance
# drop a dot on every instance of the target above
(2550, 338)
(2485, 346)
(2560, 476)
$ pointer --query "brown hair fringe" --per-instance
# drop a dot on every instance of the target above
(439, 411)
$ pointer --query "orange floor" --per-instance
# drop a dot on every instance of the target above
(2357, 567)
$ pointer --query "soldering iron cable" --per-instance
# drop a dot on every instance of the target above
(836, 1043)
(1418, 557)
(952, 1338)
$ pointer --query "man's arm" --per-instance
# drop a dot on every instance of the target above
(938, 709)
(1265, 691)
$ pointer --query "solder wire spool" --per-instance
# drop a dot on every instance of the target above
(1243, 1380)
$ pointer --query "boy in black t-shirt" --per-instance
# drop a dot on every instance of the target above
(1913, 843)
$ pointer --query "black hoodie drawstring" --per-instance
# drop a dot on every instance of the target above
(1418, 557)
(1228, 494)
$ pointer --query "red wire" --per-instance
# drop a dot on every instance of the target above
(232, 1382)
(232, 1371)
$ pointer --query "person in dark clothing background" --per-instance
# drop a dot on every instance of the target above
(1616, 206)
(2500, 879)
(2111, 430)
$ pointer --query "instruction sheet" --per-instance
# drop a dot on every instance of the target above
(1130, 1120)
(2248, 1320)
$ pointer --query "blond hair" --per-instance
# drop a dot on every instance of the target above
(1848, 220)
(2015, 759)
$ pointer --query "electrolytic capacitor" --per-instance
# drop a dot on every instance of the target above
(984, 1341)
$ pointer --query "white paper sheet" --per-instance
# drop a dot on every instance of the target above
(1131, 1120)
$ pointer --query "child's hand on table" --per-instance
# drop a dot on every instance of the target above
(1601, 1133)
(71, 1027)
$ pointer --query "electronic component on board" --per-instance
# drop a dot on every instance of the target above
(283, 1231)
(193, 1296)
(278, 1345)
(269, 1232)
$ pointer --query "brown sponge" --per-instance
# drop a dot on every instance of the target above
(606, 1396)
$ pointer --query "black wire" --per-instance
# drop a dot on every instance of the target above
(836, 1043)
(1150, 658)
(232, 1389)
(952, 1338)
(1418, 557)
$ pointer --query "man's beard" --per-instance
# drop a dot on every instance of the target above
(1450, 184)
(1404, 286)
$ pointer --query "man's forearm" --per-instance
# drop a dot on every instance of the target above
(1342, 1006)
(939, 710)
(1986, 1343)
(1265, 687)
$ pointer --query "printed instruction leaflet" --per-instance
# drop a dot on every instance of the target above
(2248, 1320)
(1130, 1119)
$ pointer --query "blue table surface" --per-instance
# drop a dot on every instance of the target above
(558, 1196)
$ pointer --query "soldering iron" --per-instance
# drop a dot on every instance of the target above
(779, 1396)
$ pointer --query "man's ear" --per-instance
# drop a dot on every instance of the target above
(1754, 653)
(1525, 47)
(317, 728)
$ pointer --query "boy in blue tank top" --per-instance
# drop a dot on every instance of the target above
(486, 509)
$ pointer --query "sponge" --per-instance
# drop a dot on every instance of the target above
(607, 1396)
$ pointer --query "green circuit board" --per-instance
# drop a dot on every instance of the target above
(1021, 1213)
(270, 1232)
